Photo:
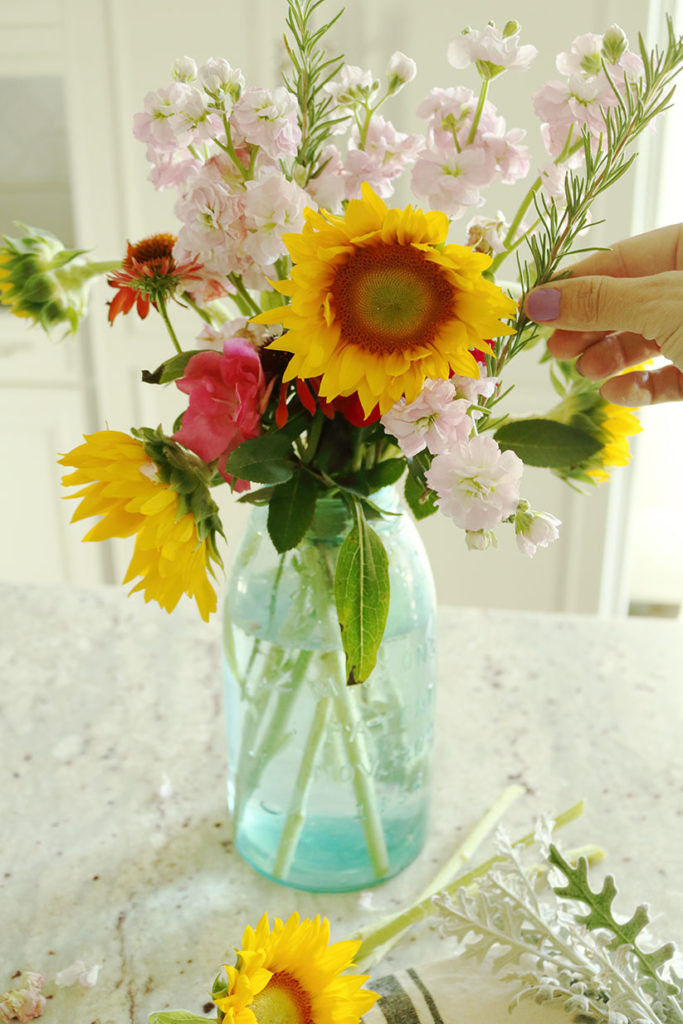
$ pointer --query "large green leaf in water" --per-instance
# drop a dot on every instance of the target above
(540, 442)
(361, 590)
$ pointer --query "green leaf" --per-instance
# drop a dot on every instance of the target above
(420, 500)
(540, 442)
(177, 1017)
(600, 913)
(385, 473)
(260, 497)
(361, 590)
(170, 369)
(265, 460)
(291, 509)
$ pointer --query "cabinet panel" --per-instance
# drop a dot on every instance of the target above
(38, 544)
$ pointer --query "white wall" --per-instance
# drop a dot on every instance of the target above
(110, 55)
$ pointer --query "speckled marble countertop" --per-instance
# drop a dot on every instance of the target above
(116, 844)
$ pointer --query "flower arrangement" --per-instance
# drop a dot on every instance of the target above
(346, 344)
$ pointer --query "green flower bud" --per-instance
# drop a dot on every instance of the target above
(614, 44)
(511, 29)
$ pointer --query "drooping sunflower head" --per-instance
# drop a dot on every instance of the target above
(610, 425)
(292, 975)
(380, 302)
(42, 280)
(153, 490)
(615, 424)
(149, 274)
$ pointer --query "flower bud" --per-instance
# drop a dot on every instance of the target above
(511, 29)
(534, 530)
(480, 540)
(184, 69)
(400, 69)
(614, 44)
(217, 76)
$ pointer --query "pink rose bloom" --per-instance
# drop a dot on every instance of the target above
(227, 396)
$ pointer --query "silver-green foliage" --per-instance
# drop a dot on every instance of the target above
(539, 923)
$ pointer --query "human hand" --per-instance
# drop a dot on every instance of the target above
(619, 308)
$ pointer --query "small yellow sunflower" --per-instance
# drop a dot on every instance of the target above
(123, 486)
(379, 302)
(291, 975)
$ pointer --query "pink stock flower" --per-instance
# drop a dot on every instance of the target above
(449, 113)
(328, 187)
(268, 119)
(451, 181)
(387, 153)
(512, 159)
(272, 205)
(176, 117)
(477, 484)
(228, 394)
(436, 420)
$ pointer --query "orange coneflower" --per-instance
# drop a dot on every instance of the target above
(149, 273)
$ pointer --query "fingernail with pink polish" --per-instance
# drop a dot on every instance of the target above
(543, 304)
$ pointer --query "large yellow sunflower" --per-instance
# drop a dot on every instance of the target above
(124, 488)
(291, 975)
(379, 302)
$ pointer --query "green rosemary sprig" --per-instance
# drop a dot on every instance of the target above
(311, 70)
(558, 228)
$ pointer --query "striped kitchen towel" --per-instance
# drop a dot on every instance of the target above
(453, 991)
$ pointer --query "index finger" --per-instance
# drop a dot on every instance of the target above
(653, 252)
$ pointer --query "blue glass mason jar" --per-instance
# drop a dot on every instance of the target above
(328, 784)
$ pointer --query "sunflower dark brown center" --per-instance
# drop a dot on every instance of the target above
(283, 1001)
(388, 297)
(155, 251)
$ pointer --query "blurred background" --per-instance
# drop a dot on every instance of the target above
(72, 75)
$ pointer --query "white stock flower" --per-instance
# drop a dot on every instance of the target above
(472, 387)
(184, 69)
(534, 530)
(486, 234)
(353, 86)
(436, 420)
(218, 76)
(476, 483)
(400, 69)
(492, 50)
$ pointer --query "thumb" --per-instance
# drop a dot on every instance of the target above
(649, 306)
